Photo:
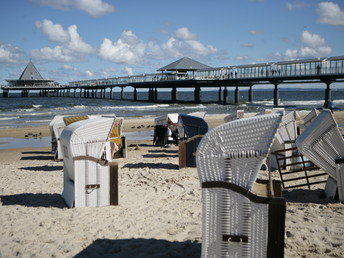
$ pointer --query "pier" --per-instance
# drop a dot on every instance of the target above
(175, 76)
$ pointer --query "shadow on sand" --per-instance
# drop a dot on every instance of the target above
(37, 158)
(141, 248)
(34, 200)
(37, 152)
(162, 155)
(307, 196)
(164, 151)
(43, 168)
(151, 165)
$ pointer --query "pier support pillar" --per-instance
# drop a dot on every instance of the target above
(74, 95)
(135, 94)
(197, 94)
(220, 95)
(5, 94)
(150, 95)
(111, 97)
(250, 94)
(236, 95)
(92, 94)
(156, 94)
(122, 93)
(174, 94)
(225, 96)
(328, 91)
(276, 95)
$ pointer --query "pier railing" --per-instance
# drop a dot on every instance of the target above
(286, 69)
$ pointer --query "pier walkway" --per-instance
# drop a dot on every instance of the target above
(320, 70)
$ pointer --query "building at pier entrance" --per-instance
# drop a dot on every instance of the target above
(31, 78)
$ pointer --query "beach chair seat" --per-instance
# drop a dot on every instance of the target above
(323, 144)
(90, 176)
(235, 221)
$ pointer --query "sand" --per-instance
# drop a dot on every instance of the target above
(159, 212)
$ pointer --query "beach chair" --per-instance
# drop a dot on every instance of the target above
(235, 221)
(90, 176)
(234, 116)
(323, 144)
(307, 120)
(191, 129)
(55, 123)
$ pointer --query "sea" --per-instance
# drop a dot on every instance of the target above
(17, 111)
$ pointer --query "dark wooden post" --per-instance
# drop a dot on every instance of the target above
(236, 95)
(225, 96)
(122, 93)
(156, 94)
(276, 95)
(174, 94)
(250, 94)
(197, 94)
(135, 94)
(220, 95)
(328, 91)
(111, 93)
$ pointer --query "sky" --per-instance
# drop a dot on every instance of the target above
(70, 40)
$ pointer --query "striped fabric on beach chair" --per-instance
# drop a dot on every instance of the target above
(307, 120)
(323, 144)
(236, 222)
(72, 119)
(90, 178)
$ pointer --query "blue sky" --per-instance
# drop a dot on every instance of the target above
(83, 39)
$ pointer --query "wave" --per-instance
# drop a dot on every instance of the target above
(9, 118)
(37, 106)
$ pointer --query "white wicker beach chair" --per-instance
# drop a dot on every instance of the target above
(90, 177)
(323, 144)
(236, 222)
(55, 123)
(234, 116)
(307, 120)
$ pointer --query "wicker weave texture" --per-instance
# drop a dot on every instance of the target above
(234, 151)
(86, 138)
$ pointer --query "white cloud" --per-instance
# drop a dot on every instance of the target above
(256, 32)
(128, 70)
(330, 13)
(242, 58)
(184, 34)
(89, 73)
(9, 53)
(54, 32)
(313, 46)
(57, 53)
(297, 5)
(249, 45)
(128, 49)
(92, 7)
(72, 47)
(69, 67)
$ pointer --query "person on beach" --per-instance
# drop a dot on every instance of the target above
(331, 105)
(325, 106)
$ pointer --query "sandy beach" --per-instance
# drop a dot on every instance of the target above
(159, 212)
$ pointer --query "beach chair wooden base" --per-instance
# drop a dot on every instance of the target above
(187, 151)
(247, 213)
(296, 171)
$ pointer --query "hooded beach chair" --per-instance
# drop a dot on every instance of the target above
(56, 126)
(191, 129)
(234, 116)
(236, 222)
(90, 176)
(307, 120)
(323, 144)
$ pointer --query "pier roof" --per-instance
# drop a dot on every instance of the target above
(183, 65)
(30, 73)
